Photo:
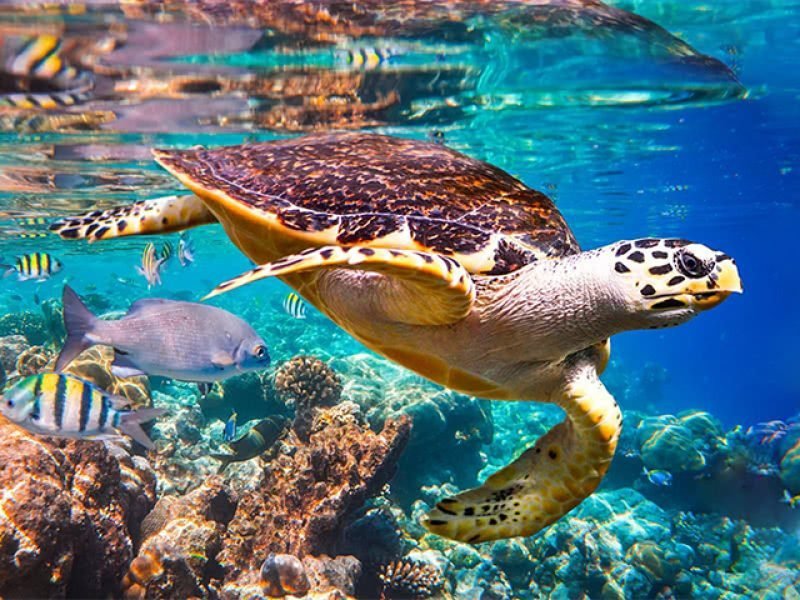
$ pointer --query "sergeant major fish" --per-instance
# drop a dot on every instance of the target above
(182, 340)
(294, 306)
(67, 406)
(36, 265)
(151, 265)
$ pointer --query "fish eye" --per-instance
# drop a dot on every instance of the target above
(691, 266)
(260, 351)
(10, 403)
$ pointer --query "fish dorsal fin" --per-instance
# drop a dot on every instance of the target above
(140, 305)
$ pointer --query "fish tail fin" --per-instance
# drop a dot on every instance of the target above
(225, 459)
(78, 321)
(129, 424)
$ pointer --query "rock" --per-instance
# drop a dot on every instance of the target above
(299, 508)
(11, 346)
(331, 575)
(94, 365)
(69, 516)
(33, 361)
(284, 575)
(30, 325)
(181, 538)
(665, 442)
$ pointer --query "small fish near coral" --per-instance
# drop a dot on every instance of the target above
(66, 406)
(294, 306)
(181, 340)
(37, 266)
(152, 265)
(230, 428)
(260, 438)
(658, 477)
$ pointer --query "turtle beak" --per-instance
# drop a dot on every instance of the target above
(722, 282)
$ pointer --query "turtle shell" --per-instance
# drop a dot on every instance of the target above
(373, 190)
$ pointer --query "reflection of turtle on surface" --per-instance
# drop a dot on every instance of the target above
(456, 270)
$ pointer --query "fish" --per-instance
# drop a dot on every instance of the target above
(64, 405)
(186, 341)
(230, 428)
(260, 438)
(166, 251)
(367, 58)
(35, 265)
(792, 501)
(657, 476)
(151, 265)
(294, 306)
(185, 251)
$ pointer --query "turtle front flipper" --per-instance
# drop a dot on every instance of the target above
(547, 480)
(446, 287)
(157, 215)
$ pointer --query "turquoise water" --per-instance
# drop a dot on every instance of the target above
(689, 128)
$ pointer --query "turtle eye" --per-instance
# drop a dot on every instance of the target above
(691, 266)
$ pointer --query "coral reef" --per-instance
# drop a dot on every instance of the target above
(180, 538)
(307, 383)
(28, 324)
(407, 578)
(33, 360)
(284, 574)
(11, 346)
(458, 425)
(95, 365)
(299, 505)
(69, 512)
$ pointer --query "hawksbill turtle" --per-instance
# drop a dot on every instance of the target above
(454, 269)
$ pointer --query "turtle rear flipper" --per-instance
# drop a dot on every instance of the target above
(547, 480)
(158, 215)
(446, 287)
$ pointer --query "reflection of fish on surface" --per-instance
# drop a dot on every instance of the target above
(35, 265)
(182, 340)
(37, 62)
(255, 442)
(67, 406)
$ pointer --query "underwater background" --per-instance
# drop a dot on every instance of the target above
(657, 118)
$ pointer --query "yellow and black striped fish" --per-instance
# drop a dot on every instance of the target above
(367, 58)
(151, 265)
(39, 58)
(67, 406)
(36, 265)
(294, 306)
(166, 251)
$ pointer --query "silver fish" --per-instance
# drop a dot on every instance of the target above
(182, 340)
(185, 251)
(67, 406)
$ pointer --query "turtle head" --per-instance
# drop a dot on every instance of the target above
(666, 282)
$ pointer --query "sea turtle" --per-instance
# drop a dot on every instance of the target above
(454, 269)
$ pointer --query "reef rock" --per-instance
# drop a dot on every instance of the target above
(27, 324)
(305, 493)
(678, 444)
(95, 365)
(69, 510)
(180, 540)
(11, 346)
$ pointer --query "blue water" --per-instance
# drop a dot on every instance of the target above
(629, 136)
